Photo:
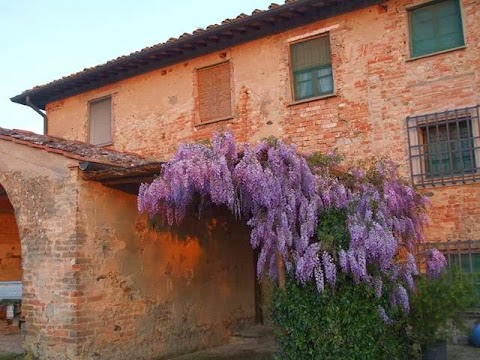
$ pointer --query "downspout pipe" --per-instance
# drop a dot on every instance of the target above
(42, 114)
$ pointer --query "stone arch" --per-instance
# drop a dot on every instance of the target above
(11, 268)
(10, 247)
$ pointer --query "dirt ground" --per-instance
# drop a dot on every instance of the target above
(266, 352)
(463, 352)
(10, 341)
(11, 349)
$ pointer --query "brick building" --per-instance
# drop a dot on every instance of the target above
(396, 78)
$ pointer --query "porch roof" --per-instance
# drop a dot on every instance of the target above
(121, 170)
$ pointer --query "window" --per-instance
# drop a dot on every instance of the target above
(460, 254)
(214, 92)
(434, 27)
(311, 68)
(444, 147)
(100, 121)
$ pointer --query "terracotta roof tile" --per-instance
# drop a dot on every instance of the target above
(75, 149)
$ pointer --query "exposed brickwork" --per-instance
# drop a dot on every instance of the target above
(377, 87)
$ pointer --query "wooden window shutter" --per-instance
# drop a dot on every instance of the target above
(100, 121)
(436, 27)
(214, 92)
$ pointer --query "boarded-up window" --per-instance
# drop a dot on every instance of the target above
(100, 121)
(312, 68)
(214, 92)
(435, 27)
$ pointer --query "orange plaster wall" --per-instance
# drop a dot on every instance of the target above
(10, 252)
(185, 287)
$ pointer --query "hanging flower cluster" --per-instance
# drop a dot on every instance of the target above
(282, 199)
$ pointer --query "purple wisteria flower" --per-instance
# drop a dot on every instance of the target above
(330, 268)
(378, 287)
(383, 315)
(281, 199)
(435, 262)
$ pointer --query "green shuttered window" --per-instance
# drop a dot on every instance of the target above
(435, 27)
(312, 68)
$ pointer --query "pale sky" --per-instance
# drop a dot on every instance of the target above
(43, 40)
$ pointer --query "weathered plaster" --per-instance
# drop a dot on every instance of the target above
(146, 292)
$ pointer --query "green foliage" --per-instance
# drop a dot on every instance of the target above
(341, 323)
(318, 159)
(331, 230)
(437, 305)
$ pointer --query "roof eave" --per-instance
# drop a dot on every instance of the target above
(214, 39)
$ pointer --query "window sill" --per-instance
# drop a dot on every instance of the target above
(447, 181)
(436, 53)
(303, 101)
(102, 144)
(200, 124)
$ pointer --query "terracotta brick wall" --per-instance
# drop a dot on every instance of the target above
(10, 251)
(377, 86)
(42, 188)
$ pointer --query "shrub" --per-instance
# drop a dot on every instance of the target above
(438, 305)
(341, 323)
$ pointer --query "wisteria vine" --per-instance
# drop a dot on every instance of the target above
(282, 198)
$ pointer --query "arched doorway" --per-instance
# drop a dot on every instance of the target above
(11, 273)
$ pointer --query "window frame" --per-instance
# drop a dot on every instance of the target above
(89, 122)
(418, 148)
(411, 9)
(292, 72)
(456, 252)
(199, 121)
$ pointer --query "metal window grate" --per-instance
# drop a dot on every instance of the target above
(464, 254)
(444, 147)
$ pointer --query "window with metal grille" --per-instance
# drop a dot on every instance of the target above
(464, 254)
(444, 147)
(435, 27)
(100, 121)
(460, 254)
(311, 68)
(214, 91)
